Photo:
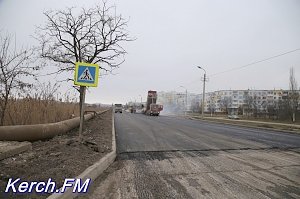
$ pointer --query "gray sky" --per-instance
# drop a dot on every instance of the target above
(173, 37)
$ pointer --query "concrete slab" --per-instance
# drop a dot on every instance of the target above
(11, 148)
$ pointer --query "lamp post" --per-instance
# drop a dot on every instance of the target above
(185, 100)
(203, 97)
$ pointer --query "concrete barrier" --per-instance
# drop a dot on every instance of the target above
(93, 171)
(40, 131)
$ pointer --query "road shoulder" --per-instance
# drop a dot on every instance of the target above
(280, 127)
(60, 157)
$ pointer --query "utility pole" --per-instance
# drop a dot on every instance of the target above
(204, 79)
(211, 105)
(203, 95)
(185, 101)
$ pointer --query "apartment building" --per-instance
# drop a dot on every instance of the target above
(224, 100)
(233, 99)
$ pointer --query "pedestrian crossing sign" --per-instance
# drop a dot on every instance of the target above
(86, 74)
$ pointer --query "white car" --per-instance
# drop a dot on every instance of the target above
(234, 117)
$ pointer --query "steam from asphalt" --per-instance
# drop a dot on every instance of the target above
(172, 109)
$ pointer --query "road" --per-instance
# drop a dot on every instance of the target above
(171, 157)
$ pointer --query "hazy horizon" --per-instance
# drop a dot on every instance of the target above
(173, 37)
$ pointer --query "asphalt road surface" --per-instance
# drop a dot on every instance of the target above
(170, 157)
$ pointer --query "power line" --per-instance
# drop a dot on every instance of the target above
(256, 62)
(244, 66)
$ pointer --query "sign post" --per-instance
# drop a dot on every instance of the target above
(86, 74)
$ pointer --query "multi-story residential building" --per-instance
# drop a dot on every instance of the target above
(225, 100)
(221, 101)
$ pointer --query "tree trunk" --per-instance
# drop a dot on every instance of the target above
(81, 104)
(2, 114)
(2, 117)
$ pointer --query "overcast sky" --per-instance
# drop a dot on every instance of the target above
(173, 37)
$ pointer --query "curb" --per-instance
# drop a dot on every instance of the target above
(244, 125)
(93, 171)
(12, 148)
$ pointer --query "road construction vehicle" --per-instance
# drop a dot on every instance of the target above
(151, 107)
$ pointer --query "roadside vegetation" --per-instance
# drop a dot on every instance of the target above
(93, 35)
(38, 111)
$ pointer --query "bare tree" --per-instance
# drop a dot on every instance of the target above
(272, 110)
(14, 66)
(255, 106)
(248, 103)
(284, 109)
(211, 104)
(90, 35)
(225, 103)
(293, 95)
(93, 35)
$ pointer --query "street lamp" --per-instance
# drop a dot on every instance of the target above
(203, 97)
(185, 100)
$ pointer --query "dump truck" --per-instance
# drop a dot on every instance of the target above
(151, 107)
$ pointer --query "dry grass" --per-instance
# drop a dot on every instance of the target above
(36, 111)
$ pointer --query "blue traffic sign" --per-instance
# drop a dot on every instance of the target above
(86, 74)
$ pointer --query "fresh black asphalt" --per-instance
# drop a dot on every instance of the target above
(172, 157)
(138, 132)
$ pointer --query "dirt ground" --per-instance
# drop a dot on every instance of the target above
(59, 158)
